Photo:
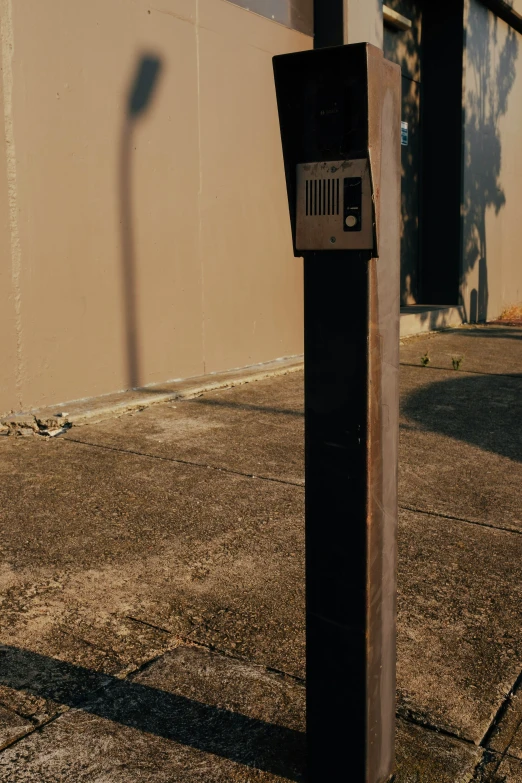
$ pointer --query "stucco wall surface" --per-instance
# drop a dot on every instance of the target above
(144, 231)
(492, 187)
(516, 5)
(363, 21)
(9, 301)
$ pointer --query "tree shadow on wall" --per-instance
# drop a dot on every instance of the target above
(491, 68)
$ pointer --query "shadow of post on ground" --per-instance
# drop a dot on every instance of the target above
(477, 409)
(492, 72)
(248, 741)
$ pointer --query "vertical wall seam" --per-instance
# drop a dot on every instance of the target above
(462, 293)
(7, 44)
(200, 191)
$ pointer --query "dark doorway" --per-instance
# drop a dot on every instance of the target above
(429, 51)
(442, 150)
(403, 46)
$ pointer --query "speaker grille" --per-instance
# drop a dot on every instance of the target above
(322, 196)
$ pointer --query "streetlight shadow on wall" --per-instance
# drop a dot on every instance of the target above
(139, 99)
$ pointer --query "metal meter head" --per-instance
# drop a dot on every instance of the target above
(330, 110)
(334, 207)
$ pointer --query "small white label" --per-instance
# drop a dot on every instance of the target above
(404, 134)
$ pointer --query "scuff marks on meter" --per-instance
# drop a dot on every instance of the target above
(334, 208)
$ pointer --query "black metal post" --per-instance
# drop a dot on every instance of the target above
(351, 448)
(336, 371)
(336, 430)
(339, 111)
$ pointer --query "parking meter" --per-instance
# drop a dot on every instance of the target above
(339, 112)
(331, 113)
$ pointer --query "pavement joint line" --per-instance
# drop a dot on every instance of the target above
(39, 727)
(63, 708)
(410, 717)
(184, 462)
(460, 519)
(480, 767)
(98, 647)
(219, 650)
(462, 372)
(407, 718)
(144, 665)
(510, 756)
(497, 718)
(213, 648)
(295, 677)
(149, 625)
(19, 713)
(242, 658)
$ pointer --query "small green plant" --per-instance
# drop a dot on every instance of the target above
(456, 362)
(425, 360)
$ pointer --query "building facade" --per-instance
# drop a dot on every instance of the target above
(144, 228)
(462, 100)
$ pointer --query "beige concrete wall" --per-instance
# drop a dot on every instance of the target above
(147, 244)
(492, 192)
(9, 268)
(363, 22)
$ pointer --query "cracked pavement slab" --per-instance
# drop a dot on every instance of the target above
(499, 769)
(264, 420)
(459, 631)
(192, 714)
(427, 757)
(110, 540)
(510, 771)
(119, 553)
(12, 726)
(198, 715)
(507, 735)
(460, 446)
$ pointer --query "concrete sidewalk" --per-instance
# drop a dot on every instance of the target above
(152, 623)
